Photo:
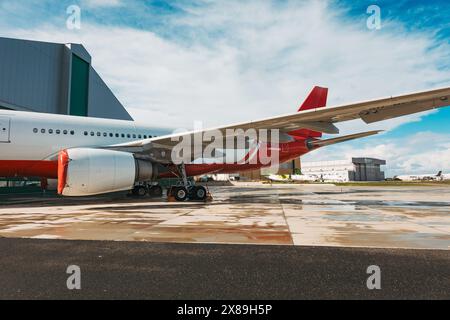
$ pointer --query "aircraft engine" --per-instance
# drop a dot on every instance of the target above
(87, 171)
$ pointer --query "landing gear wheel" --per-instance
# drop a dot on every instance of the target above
(180, 193)
(139, 191)
(155, 191)
(199, 193)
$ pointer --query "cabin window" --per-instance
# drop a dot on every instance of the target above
(117, 135)
(92, 133)
(145, 137)
(111, 135)
(139, 136)
(99, 134)
(123, 135)
(42, 130)
(85, 133)
(128, 135)
(58, 131)
(50, 131)
(64, 131)
(105, 134)
(134, 136)
(72, 132)
(35, 130)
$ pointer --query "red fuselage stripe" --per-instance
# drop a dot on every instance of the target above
(29, 168)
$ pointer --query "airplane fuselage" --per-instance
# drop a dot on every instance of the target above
(30, 143)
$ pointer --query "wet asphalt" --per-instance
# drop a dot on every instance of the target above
(36, 269)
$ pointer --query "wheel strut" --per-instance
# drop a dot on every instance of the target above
(186, 190)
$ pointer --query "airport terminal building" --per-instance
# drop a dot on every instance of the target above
(355, 169)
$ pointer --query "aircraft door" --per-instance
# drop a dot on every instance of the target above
(5, 124)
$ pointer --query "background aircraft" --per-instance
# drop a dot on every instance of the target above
(425, 177)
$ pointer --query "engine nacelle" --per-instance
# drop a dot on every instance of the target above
(87, 171)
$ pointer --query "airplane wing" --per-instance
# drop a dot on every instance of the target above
(320, 119)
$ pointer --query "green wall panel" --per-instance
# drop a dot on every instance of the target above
(79, 88)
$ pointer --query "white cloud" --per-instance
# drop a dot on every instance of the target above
(101, 3)
(250, 60)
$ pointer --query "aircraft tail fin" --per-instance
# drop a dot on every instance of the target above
(439, 174)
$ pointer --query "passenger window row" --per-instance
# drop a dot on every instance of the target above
(57, 131)
(117, 135)
(98, 133)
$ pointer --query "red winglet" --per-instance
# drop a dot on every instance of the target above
(316, 99)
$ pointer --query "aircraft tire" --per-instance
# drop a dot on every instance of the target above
(180, 193)
(199, 193)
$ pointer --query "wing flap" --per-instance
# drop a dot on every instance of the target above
(385, 113)
(327, 142)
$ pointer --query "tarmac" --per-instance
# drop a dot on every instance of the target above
(36, 269)
(248, 213)
(253, 241)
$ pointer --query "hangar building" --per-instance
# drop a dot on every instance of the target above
(54, 78)
(355, 169)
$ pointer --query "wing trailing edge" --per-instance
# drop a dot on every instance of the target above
(327, 142)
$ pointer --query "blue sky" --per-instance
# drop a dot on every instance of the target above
(174, 62)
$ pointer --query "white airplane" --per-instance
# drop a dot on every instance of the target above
(424, 177)
(306, 177)
(91, 156)
(277, 177)
(294, 177)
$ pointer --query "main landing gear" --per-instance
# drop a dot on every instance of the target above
(186, 190)
(191, 192)
(147, 189)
